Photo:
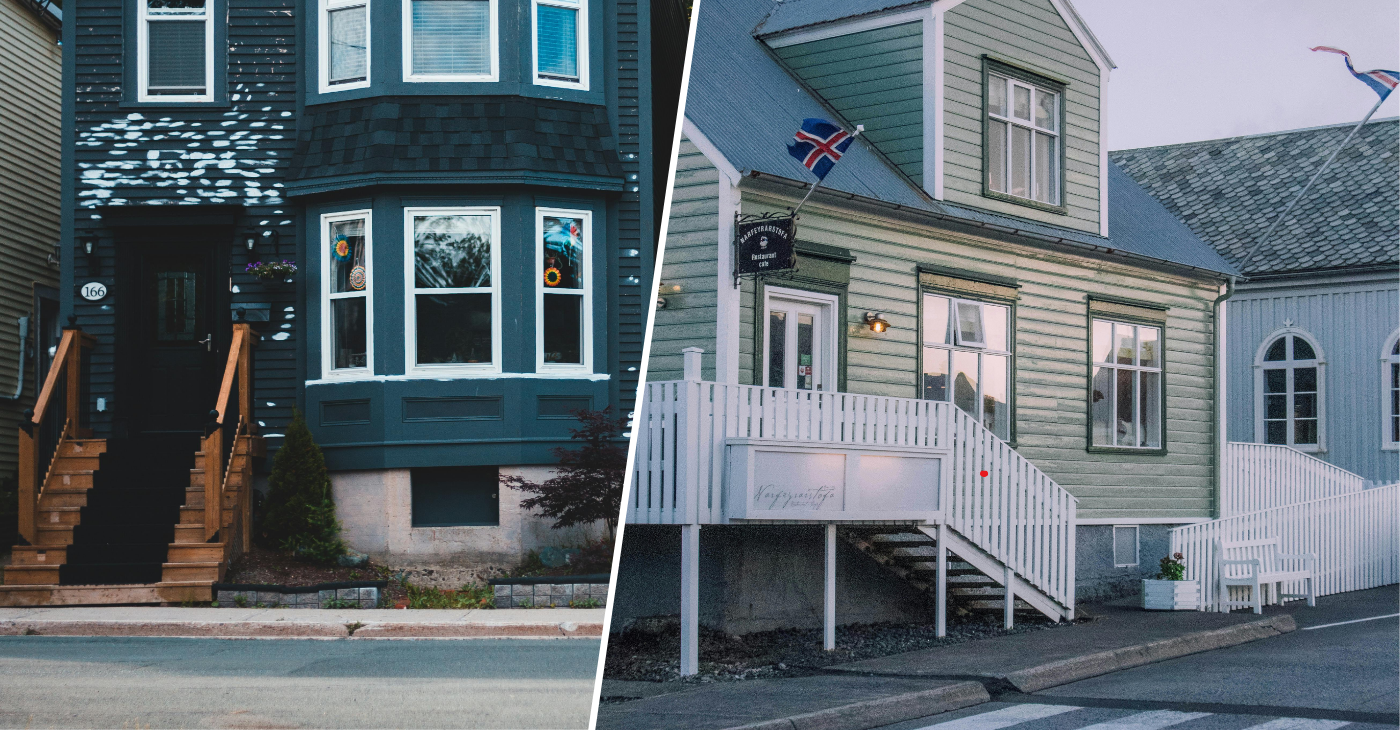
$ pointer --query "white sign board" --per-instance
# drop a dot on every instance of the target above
(93, 291)
(787, 480)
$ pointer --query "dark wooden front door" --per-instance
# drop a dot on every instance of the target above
(178, 338)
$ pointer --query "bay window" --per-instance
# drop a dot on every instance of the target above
(452, 281)
(1288, 401)
(563, 291)
(1022, 138)
(347, 295)
(175, 45)
(449, 40)
(344, 43)
(967, 358)
(1126, 388)
(561, 43)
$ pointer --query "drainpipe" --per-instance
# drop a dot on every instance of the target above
(23, 341)
(1221, 381)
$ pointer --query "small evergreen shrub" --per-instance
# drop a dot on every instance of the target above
(299, 513)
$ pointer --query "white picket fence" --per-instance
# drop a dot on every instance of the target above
(1263, 476)
(1355, 536)
(1015, 513)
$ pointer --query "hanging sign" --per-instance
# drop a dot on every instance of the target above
(93, 291)
(765, 245)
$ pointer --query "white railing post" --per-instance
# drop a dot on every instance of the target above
(692, 357)
(829, 595)
(687, 456)
(690, 600)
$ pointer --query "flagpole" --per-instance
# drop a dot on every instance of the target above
(859, 128)
(1304, 191)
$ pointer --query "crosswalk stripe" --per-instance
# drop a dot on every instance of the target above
(1298, 723)
(1005, 717)
(1147, 720)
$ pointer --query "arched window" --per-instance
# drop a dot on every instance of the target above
(1390, 392)
(1288, 391)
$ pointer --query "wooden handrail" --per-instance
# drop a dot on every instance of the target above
(67, 365)
(237, 365)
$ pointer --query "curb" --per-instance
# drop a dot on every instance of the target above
(882, 711)
(1074, 669)
(299, 630)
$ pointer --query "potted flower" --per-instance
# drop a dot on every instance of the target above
(272, 270)
(1171, 591)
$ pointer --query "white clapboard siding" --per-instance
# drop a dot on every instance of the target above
(1262, 476)
(1016, 513)
(1355, 536)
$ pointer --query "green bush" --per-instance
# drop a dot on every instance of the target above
(299, 514)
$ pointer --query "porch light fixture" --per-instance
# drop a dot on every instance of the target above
(89, 243)
(250, 239)
(875, 322)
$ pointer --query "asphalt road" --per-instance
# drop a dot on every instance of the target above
(273, 683)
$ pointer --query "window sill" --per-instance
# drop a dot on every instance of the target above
(1024, 202)
(1126, 450)
(450, 79)
(559, 84)
(452, 371)
(213, 104)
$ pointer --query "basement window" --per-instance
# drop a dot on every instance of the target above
(1125, 546)
(456, 496)
(175, 45)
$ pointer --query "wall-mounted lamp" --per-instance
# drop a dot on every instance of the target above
(662, 290)
(56, 255)
(661, 302)
(875, 322)
(250, 239)
(89, 244)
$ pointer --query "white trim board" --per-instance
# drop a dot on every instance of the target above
(459, 377)
(711, 153)
(1140, 520)
(808, 34)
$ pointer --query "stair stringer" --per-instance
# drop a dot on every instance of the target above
(74, 459)
(996, 570)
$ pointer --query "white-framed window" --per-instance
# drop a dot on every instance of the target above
(347, 296)
(563, 290)
(1126, 546)
(452, 275)
(967, 358)
(1126, 393)
(1390, 393)
(175, 45)
(560, 43)
(1288, 393)
(449, 40)
(1023, 139)
(344, 44)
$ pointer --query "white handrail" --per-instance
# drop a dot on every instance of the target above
(1355, 537)
(1263, 476)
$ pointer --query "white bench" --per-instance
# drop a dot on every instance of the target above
(1258, 564)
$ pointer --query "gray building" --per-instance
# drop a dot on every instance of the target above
(1311, 331)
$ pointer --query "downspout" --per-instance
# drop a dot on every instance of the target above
(1221, 382)
(23, 348)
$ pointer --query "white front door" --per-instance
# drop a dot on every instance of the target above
(799, 341)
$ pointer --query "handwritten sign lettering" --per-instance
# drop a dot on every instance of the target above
(810, 499)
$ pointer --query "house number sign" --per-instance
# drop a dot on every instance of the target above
(93, 291)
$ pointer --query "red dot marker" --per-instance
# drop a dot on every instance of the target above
(984, 472)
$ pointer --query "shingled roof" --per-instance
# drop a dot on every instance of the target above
(1228, 191)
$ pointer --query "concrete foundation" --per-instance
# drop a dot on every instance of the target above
(1097, 578)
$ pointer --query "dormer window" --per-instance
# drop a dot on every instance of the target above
(449, 40)
(344, 44)
(1023, 139)
(175, 39)
(561, 43)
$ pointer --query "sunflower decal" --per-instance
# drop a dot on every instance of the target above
(340, 248)
(552, 277)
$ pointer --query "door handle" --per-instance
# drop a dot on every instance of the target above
(208, 343)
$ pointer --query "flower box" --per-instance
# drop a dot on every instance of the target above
(1171, 595)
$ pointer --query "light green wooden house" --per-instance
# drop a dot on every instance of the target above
(1043, 397)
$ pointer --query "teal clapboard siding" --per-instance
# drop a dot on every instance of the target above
(1030, 34)
(874, 78)
(691, 262)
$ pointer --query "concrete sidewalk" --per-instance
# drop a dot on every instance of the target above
(854, 696)
(273, 623)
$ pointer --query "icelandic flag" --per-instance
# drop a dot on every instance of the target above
(818, 145)
(1382, 82)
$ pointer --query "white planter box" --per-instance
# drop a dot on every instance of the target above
(1171, 595)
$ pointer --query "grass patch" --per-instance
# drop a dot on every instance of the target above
(468, 596)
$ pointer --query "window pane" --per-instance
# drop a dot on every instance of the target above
(777, 349)
(1276, 432)
(1047, 177)
(965, 381)
(1305, 380)
(175, 56)
(1101, 406)
(1020, 161)
(1044, 110)
(1149, 354)
(1305, 431)
(177, 306)
(970, 330)
(935, 320)
(935, 374)
(453, 328)
(1021, 102)
(175, 7)
(1305, 405)
(347, 254)
(557, 35)
(996, 411)
(348, 341)
(1275, 381)
(996, 156)
(454, 495)
(563, 252)
(996, 95)
(349, 45)
(452, 251)
(1126, 344)
(563, 328)
(1150, 409)
(451, 37)
(1276, 406)
(1123, 389)
(1103, 341)
(806, 378)
(996, 325)
(1276, 351)
(1302, 350)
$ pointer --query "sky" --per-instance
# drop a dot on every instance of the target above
(1190, 70)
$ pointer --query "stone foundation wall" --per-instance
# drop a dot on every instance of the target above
(556, 595)
(282, 597)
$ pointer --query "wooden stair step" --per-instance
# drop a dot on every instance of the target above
(189, 533)
(50, 534)
(205, 571)
(195, 552)
(38, 555)
(30, 574)
(60, 516)
(102, 595)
